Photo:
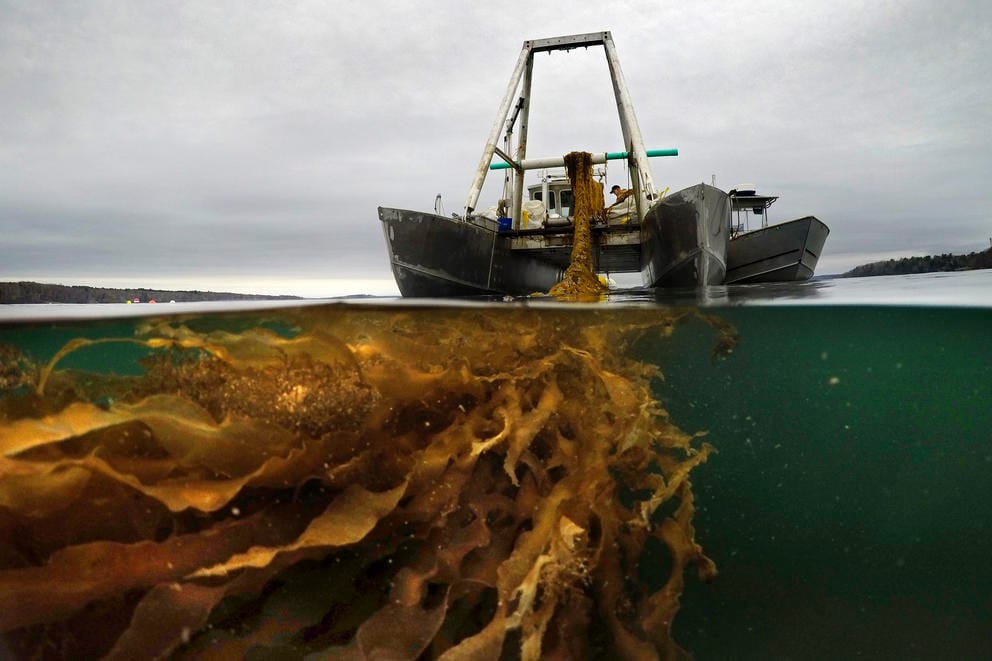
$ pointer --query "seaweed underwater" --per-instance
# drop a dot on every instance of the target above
(443, 483)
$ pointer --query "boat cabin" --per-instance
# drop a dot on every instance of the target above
(547, 232)
(744, 202)
(556, 194)
(554, 190)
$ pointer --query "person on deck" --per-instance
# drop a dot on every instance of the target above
(621, 193)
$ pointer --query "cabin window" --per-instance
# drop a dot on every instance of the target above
(567, 202)
(539, 195)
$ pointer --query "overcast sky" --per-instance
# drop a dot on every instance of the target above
(246, 145)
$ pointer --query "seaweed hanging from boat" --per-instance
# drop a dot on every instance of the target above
(454, 484)
(580, 279)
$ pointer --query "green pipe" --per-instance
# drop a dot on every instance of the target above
(558, 161)
(617, 155)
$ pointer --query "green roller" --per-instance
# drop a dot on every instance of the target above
(558, 161)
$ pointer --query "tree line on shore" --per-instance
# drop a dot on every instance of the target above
(926, 264)
(37, 292)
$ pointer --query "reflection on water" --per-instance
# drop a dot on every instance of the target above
(724, 295)
(345, 480)
(961, 288)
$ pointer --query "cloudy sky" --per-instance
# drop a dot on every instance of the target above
(245, 146)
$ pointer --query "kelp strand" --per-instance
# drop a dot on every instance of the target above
(463, 484)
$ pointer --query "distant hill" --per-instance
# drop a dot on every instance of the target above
(36, 292)
(928, 264)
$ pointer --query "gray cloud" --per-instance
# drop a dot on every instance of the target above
(242, 138)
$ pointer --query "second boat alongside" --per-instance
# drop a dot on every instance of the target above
(784, 252)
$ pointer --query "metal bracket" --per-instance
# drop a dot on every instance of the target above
(509, 159)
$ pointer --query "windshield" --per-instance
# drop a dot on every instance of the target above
(567, 202)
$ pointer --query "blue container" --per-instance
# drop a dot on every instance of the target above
(505, 224)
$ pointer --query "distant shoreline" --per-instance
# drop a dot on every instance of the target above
(37, 292)
(927, 264)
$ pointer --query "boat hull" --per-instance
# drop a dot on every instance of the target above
(684, 239)
(435, 256)
(785, 252)
(682, 243)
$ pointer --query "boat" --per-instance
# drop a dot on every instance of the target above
(684, 239)
(783, 252)
(671, 240)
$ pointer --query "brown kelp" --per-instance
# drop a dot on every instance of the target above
(579, 279)
(349, 482)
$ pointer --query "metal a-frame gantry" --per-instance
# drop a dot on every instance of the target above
(640, 172)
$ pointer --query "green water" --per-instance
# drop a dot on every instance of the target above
(849, 509)
(849, 506)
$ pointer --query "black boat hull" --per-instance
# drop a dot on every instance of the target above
(785, 252)
(684, 239)
(682, 243)
(435, 256)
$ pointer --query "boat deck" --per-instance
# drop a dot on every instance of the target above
(616, 248)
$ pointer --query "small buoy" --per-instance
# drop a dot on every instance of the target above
(152, 300)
